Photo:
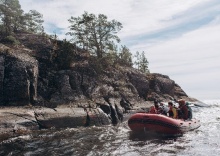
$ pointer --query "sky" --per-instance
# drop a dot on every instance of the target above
(181, 39)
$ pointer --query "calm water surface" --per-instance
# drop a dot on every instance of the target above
(118, 140)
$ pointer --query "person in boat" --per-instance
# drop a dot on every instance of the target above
(164, 109)
(172, 111)
(155, 109)
(183, 110)
(189, 111)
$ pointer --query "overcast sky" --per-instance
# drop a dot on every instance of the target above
(181, 38)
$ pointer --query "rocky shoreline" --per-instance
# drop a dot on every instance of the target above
(22, 120)
(16, 121)
(37, 93)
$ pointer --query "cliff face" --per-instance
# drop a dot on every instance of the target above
(18, 77)
(29, 76)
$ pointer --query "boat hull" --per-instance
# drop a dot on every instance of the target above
(160, 124)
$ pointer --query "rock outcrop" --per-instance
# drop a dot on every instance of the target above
(18, 77)
(79, 95)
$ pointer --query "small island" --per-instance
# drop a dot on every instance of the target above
(50, 83)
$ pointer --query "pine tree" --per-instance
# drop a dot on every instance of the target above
(10, 12)
(13, 19)
(33, 21)
(137, 61)
(141, 62)
(125, 56)
(94, 33)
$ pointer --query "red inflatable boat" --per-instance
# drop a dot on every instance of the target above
(161, 124)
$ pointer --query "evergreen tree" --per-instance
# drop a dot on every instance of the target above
(125, 56)
(10, 12)
(137, 61)
(12, 18)
(94, 33)
(33, 21)
(141, 62)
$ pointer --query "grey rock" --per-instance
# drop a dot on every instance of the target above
(18, 77)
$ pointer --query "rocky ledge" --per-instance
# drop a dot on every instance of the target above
(17, 121)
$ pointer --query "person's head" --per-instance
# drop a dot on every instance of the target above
(156, 104)
(181, 102)
(170, 104)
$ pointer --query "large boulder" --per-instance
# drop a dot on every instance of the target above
(61, 117)
(16, 121)
(162, 88)
(162, 84)
(140, 82)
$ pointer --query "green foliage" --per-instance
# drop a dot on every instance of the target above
(65, 55)
(141, 62)
(137, 61)
(10, 11)
(13, 19)
(125, 56)
(10, 39)
(144, 64)
(111, 58)
(97, 64)
(33, 21)
(94, 33)
(102, 64)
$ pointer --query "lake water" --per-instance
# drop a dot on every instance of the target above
(118, 140)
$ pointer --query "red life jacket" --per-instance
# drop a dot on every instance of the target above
(153, 110)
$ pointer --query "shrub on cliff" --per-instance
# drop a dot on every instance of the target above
(65, 55)
(10, 40)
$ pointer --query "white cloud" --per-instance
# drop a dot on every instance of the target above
(192, 60)
(181, 38)
(137, 17)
